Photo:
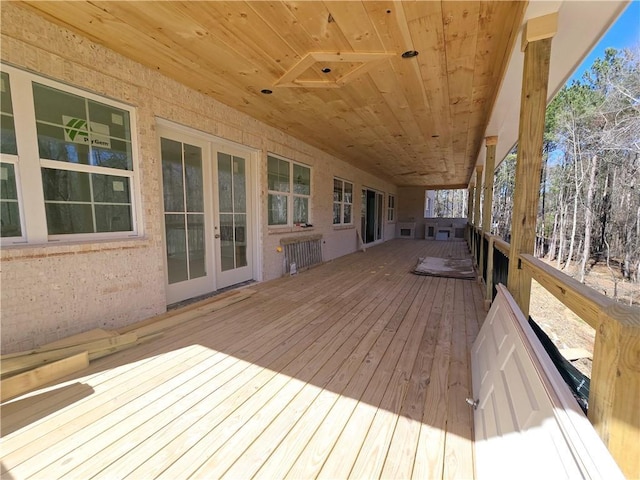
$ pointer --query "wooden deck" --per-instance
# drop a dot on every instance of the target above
(353, 369)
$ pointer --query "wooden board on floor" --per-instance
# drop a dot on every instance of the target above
(24, 382)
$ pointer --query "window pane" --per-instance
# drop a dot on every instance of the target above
(113, 218)
(64, 218)
(7, 135)
(277, 209)
(66, 185)
(227, 260)
(239, 186)
(176, 248)
(66, 133)
(10, 216)
(348, 192)
(301, 180)
(225, 194)
(193, 178)
(52, 144)
(240, 232)
(347, 214)
(9, 208)
(110, 189)
(300, 210)
(171, 152)
(52, 104)
(117, 156)
(7, 127)
(116, 119)
(8, 189)
(197, 264)
(337, 190)
(278, 174)
(336, 213)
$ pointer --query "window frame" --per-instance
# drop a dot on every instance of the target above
(343, 202)
(291, 195)
(29, 165)
(391, 209)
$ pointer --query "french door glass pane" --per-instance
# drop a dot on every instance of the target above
(239, 186)
(193, 178)
(196, 239)
(225, 192)
(227, 259)
(176, 247)
(172, 175)
(240, 237)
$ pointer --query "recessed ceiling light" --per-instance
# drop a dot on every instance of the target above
(409, 54)
(326, 70)
(266, 91)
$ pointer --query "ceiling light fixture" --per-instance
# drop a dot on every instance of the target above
(326, 70)
(410, 54)
(266, 91)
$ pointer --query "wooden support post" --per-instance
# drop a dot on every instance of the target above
(487, 203)
(476, 213)
(476, 203)
(533, 103)
(489, 284)
(489, 171)
(471, 194)
(615, 385)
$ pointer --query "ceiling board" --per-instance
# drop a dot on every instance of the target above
(418, 121)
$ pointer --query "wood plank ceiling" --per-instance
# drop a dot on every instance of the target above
(416, 121)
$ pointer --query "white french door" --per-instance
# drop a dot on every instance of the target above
(233, 222)
(208, 228)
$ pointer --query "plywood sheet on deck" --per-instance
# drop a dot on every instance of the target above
(461, 268)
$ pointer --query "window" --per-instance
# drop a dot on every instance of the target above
(342, 202)
(289, 186)
(76, 166)
(391, 208)
(10, 221)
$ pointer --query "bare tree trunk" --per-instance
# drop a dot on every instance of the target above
(563, 240)
(554, 237)
(588, 219)
(573, 232)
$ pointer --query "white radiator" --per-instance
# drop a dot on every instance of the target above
(301, 252)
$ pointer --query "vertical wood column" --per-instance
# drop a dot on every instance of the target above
(489, 171)
(471, 193)
(487, 206)
(536, 44)
(476, 205)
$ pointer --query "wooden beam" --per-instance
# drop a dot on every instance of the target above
(24, 382)
(539, 28)
(533, 103)
(615, 385)
(470, 194)
(29, 360)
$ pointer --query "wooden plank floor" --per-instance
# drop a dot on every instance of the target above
(356, 368)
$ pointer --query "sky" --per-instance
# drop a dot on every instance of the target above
(625, 32)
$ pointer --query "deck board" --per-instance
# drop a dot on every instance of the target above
(356, 368)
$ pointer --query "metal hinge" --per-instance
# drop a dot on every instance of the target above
(473, 403)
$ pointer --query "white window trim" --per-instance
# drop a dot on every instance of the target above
(28, 164)
(343, 203)
(290, 195)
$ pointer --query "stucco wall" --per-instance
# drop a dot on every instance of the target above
(49, 292)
